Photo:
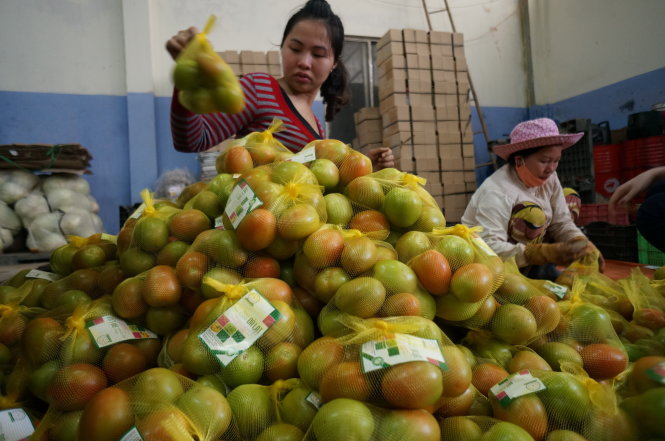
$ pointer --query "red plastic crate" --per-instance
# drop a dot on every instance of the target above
(607, 158)
(590, 213)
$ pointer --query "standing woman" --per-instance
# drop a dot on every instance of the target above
(311, 50)
(521, 206)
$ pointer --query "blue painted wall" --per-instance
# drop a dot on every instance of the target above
(102, 125)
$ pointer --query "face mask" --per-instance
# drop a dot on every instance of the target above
(525, 175)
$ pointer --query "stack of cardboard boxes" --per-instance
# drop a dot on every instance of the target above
(245, 62)
(425, 112)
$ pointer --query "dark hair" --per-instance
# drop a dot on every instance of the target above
(335, 89)
(527, 152)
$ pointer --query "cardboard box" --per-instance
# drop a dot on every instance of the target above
(425, 75)
(447, 113)
(461, 65)
(424, 61)
(428, 175)
(275, 70)
(393, 35)
(423, 112)
(388, 51)
(231, 57)
(440, 37)
(409, 35)
(365, 113)
(441, 50)
(394, 100)
(398, 139)
(423, 126)
(274, 57)
(451, 127)
(458, 39)
(470, 176)
(394, 114)
(426, 151)
(441, 100)
(468, 151)
(452, 164)
(367, 136)
(445, 87)
(458, 51)
(394, 62)
(417, 86)
(450, 151)
(397, 74)
(443, 63)
(424, 138)
(422, 48)
(427, 164)
(412, 61)
(405, 164)
(390, 86)
(469, 163)
(235, 67)
(434, 188)
(410, 48)
(398, 127)
(421, 100)
(470, 187)
(421, 36)
(444, 75)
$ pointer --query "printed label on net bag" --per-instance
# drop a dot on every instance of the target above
(657, 373)
(242, 201)
(402, 348)
(15, 425)
(39, 274)
(519, 384)
(109, 330)
(304, 156)
(314, 399)
(239, 327)
(132, 435)
(558, 290)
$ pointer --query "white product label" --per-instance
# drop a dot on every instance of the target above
(558, 290)
(138, 212)
(242, 201)
(304, 156)
(39, 274)
(132, 435)
(314, 399)
(657, 373)
(402, 348)
(239, 327)
(109, 237)
(15, 425)
(109, 330)
(480, 243)
(219, 223)
(519, 384)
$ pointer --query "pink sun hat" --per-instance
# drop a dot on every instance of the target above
(539, 132)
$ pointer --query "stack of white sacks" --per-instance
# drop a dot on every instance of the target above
(48, 207)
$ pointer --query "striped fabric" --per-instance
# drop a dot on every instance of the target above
(264, 100)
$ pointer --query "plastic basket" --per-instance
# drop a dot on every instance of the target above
(575, 168)
(649, 254)
(590, 213)
(616, 242)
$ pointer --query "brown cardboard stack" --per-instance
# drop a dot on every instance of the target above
(426, 117)
(245, 62)
(369, 131)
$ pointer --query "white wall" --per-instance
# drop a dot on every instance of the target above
(110, 46)
(579, 46)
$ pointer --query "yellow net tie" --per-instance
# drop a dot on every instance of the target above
(231, 291)
(350, 233)
(373, 329)
(460, 230)
(149, 202)
(277, 389)
(6, 310)
(413, 181)
(77, 241)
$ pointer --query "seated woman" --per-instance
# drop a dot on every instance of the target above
(521, 207)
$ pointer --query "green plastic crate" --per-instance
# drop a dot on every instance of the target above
(649, 254)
